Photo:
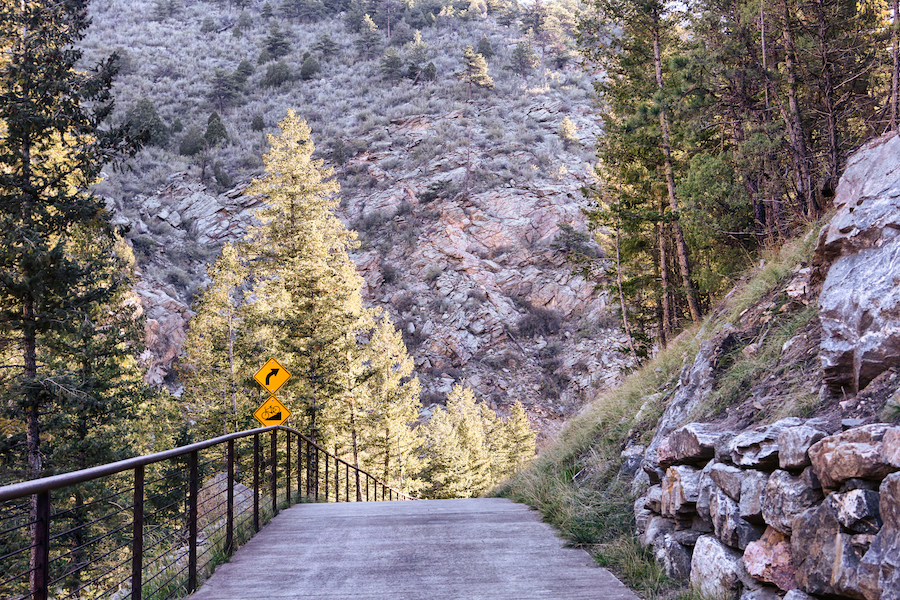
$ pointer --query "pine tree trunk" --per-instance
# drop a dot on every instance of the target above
(621, 303)
(387, 455)
(680, 245)
(231, 369)
(895, 71)
(794, 121)
(828, 99)
(355, 445)
(666, 325)
(775, 213)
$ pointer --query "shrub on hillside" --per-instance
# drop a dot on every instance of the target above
(142, 120)
(277, 74)
(193, 142)
(539, 321)
(310, 68)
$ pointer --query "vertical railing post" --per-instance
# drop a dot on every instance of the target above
(308, 465)
(316, 474)
(299, 467)
(347, 482)
(367, 487)
(273, 449)
(326, 478)
(229, 495)
(256, 482)
(192, 522)
(337, 479)
(40, 574)
(137, 535)
(287, 468)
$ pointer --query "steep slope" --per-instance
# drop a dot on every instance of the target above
(760, 455)
(459, 203)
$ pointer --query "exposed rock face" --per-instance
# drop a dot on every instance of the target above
(470, 271)
(472, 278)
(860, 300)
(165, 330)
(694, 387)
(212, 499)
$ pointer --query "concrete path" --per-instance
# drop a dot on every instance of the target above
(490, 549)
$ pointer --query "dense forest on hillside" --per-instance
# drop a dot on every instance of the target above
(726, 126)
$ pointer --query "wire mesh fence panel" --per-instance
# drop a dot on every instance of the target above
(155, 527)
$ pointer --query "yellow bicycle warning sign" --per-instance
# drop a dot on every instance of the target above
(272, 412)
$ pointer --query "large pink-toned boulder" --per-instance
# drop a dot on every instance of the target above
(770, 559)
(862, 452)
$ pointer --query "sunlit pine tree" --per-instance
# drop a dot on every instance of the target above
(391, 407)
(209, 366)
(306, 301)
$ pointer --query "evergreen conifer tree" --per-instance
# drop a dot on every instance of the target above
(484, 48)
(307, 307)
(475, 71)
(369, 39)
(457, 451)
(276, 43)
(215, 130)
(326, 46)
(51, 149)
(523, 59)
(209, 367)
(391, 65)
(142, 121)
(58, 274)
(391, 407)
(519, 439)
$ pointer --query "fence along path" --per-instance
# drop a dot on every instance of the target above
(145, 528)
(473, 549)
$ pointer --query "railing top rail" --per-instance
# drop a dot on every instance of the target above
(44, 484)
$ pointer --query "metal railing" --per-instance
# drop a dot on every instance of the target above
(154, 526)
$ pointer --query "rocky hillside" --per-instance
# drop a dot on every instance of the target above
(466, 209)
(806, 505)
(758, 457)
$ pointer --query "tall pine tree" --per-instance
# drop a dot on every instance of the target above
(57, 272)
(307, 304)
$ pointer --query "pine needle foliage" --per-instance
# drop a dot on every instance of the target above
(59, 266)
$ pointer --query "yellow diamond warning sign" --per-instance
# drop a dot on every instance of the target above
(272, 376)
(272, 412)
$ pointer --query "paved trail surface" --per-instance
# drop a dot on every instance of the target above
(478, 549)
